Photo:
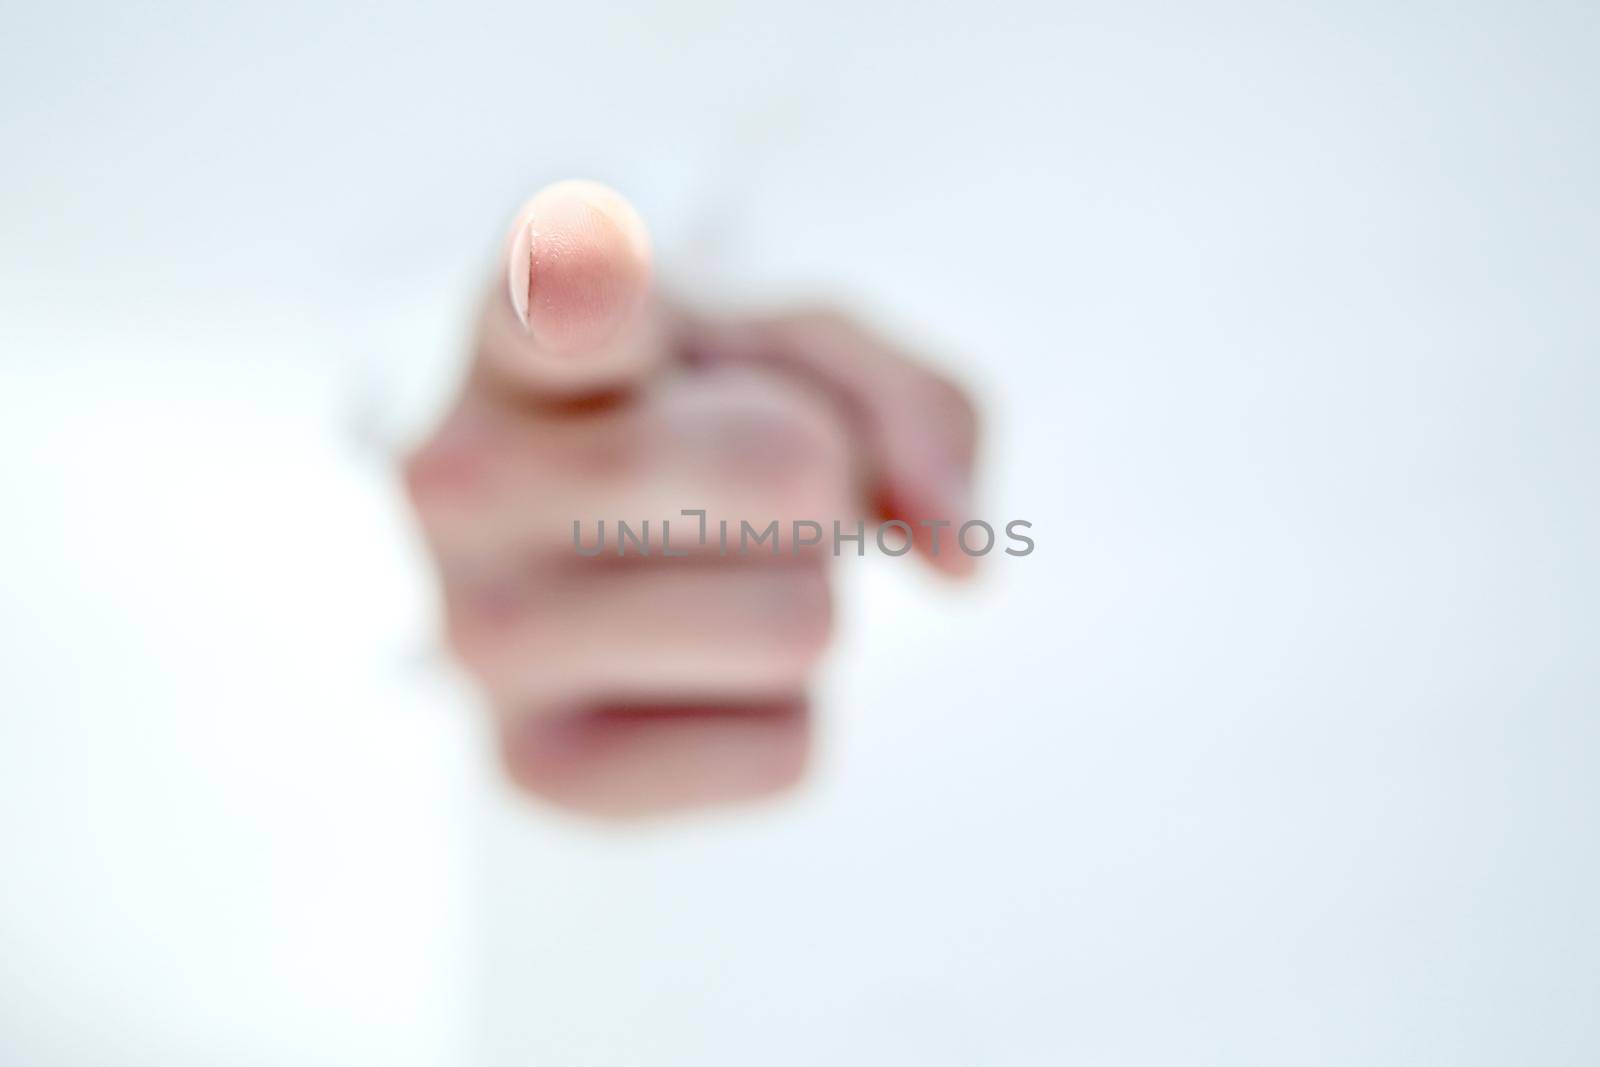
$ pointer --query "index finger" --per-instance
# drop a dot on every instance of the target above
(572, 313)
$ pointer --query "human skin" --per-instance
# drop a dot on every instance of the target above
(634, 686)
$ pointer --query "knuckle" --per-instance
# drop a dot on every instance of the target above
(951, 398)
(449, 466)
(470, 644)
(832, 319)
(783, 445)
(947, 407)
(478, 625)
(807, 627)
(416, 475)
(430, 474)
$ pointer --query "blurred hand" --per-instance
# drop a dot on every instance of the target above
(627, 685)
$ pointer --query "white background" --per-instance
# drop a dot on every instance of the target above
(1280, 749)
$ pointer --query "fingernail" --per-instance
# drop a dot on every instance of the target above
(519, 272)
